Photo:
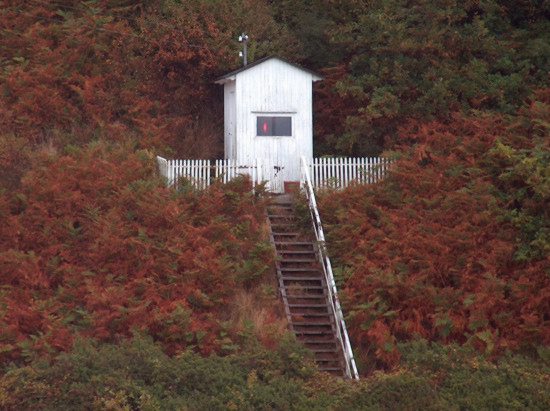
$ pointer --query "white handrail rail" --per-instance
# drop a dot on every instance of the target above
(341, 330)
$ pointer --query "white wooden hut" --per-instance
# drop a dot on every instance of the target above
(268, 116)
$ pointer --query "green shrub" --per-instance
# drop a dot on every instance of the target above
(138, 375)
(466, 380)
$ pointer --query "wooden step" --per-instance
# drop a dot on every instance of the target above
(326, 345)
(300, 269)
(279, 207)
(307, 315)
(291, 234)
(323, 350)
(300, 243)
(296, 275)
(308, 287)
(302, 283)
(327, 332)
(307, 305)
(327, 369)
(309, 331)
(311, 311)
(326, 360)
(311, 323)
(280, 202)
(307, 296)
(318, 341)
(286, 278)
(304, 268)
(298, 260)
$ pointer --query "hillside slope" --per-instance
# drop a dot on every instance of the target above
(93, 244)
(116, 292)
(454, 246)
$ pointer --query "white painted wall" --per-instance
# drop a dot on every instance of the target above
(270, 88)
(229, 109)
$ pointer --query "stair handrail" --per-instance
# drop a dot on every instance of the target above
(341, 329)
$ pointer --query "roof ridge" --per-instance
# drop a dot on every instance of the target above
(262, 60)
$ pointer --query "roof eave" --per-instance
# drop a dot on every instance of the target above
(226, 79)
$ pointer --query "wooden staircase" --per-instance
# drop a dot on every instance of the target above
(303, 286)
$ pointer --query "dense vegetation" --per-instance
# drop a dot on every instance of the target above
(93, 244)
(138, 375)
(453, 248)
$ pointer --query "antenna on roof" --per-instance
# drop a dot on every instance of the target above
(243, 38)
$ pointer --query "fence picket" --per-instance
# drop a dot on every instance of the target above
(202, 173)
(348, 171)
(329, 172)
(371, 170)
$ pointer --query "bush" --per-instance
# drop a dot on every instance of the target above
(453, 246)
(465, 380)
(137, 374)
(94, 244)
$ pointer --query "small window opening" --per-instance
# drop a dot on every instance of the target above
(274, 126)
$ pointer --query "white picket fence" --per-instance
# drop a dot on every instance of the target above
(325, 173)
(340, 172)
(201, 173)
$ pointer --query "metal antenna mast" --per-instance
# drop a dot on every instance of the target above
(243, 38)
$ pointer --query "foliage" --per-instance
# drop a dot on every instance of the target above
(469, 381)
(71, 72)
(423, 60)
(93, 244)
(454, 245)
(137, 374)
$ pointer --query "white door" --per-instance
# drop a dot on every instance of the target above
(273, 173)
